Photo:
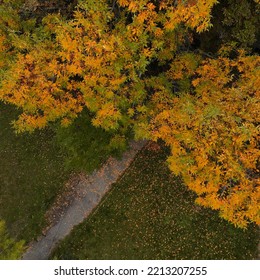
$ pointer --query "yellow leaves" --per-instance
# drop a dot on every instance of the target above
(29, 122)
(158, 32)
(142, 16)
(200, 15)
(141, 109)
(212, 148)
(196, 82)
(165, 115)
(67, 43)
(93, 62)
(133, 6)
(123, 3)
(147, 52)
(176, 149)
(38, 87)
(209, 122)
(107, 117)
(118, 81)
(73, 69)
(134, 32)
(176, 168)
(130, 112)
(253, 211)
(109, 94)
(164, 130)
(202, 160)
(242, 205)
(150, 6)
(250, 157)
(211, 200)
(172, 23)
(107, 47)
(2, 43)
(147, 15)
(196, 14)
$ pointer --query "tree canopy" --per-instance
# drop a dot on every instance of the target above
(136, 66)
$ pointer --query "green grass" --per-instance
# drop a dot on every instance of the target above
(149, 214)
(34, 168)
(86, 147)
(31, 175)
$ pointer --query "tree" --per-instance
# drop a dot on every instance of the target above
(235, 22)
(213, 132)
(97, 60)
(9, 248)
(129, 63)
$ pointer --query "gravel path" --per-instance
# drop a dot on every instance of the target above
(90, 193)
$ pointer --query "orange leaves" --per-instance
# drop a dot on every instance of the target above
(133, 6)
(242, 206)
(249, 158)
(210, 71)
(214, 136)
(123, 3)
(73, 69)
(176, 168)
(195, 14)
(202, 160)
(2, 43)
(150, 6)
(68, 44)
(36, 86)
(115, 66)
(29, 123)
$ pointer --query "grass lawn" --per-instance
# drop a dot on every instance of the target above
(31, 175)
(149, 214)
(86, 147)
(34, 168)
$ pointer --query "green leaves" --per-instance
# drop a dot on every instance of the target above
(9, 248)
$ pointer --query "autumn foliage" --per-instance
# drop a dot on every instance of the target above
(213, 132)
(128, 63)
